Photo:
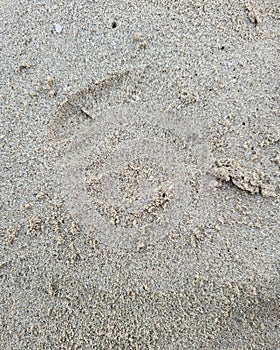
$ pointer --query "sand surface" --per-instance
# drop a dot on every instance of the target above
(139, 174)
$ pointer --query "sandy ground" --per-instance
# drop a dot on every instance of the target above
(139, 174)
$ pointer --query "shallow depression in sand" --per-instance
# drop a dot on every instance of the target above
(130, 176)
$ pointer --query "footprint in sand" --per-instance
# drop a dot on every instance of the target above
(129, 171)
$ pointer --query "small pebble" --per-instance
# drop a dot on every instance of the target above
(58, 28)
(50, 81)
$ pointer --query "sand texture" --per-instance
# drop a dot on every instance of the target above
(139, 174)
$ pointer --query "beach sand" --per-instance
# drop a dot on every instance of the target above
(139, 174)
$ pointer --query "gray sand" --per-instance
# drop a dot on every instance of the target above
(140, 180)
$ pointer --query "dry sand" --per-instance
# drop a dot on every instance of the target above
(139, 174)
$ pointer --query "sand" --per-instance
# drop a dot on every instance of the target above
(139, 174)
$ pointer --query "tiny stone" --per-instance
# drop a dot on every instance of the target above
(52, 93)
(50, 81)
(58, 28)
